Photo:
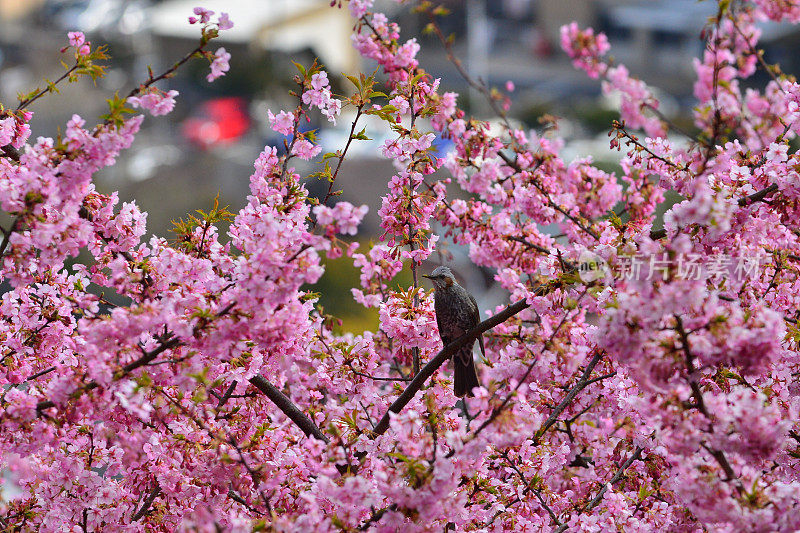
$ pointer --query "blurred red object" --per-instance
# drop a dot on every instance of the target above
(221, 121)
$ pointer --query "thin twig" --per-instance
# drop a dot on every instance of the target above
(167, 342)
(50, 88)
(499, 409)
(700, 405)
(378, 378)
(515, 166)
(376, 516)
(637, 454)
(579, 386)
(757, 196)
(225, 397)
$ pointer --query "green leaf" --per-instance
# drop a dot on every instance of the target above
(361, 135)
(144, 380)
(354, 81)
(300, 68)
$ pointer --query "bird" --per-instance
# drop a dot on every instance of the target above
(456, 313)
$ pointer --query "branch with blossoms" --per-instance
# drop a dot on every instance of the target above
(635, 456)
(443, 356)
(14, 127)
(160, 103)
(145, 95)
(220, 394)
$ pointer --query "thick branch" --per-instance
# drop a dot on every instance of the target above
(758, 196)
(147, 503)
(10, 152)
(445, 354)
(288, 407)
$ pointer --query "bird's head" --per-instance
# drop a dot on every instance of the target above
(441, 277)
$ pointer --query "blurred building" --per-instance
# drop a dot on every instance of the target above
(284, 25)
(656, 39)
(15, 9)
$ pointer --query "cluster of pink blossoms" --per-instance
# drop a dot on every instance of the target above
(156, 101)
(15, 130)
(214, 395)
(219, 60)
(78, 41)
(320, 96)
(343, 218)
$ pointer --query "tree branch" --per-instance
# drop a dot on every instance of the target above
(288, 407)
(499, 409)
(167, 342)
(757, 196)
(376, 516)
(616, 477)
(10, 152)
(445, 354)
(512, 163)
(7, 235)
(147, 503)
(579, 386)
(700, 405)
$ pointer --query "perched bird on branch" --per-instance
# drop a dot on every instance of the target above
(456, 313)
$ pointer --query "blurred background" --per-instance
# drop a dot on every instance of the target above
(207, 146)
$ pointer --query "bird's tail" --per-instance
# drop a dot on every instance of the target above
(465, 375)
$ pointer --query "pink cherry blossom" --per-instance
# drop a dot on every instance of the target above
(224, 22)
(76, 38)
(344, 216)
(155, 101)
(7, 130)
(283, 122)
(204, 14)
(305, 149)
(215, 389)
(219, 65)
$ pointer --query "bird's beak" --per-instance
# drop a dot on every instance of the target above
(427, 276)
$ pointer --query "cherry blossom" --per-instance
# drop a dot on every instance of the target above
(155, 101)
(217, 394)
(219, 65)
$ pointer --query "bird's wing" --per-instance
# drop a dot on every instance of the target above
(477, 316)
(445, 338)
